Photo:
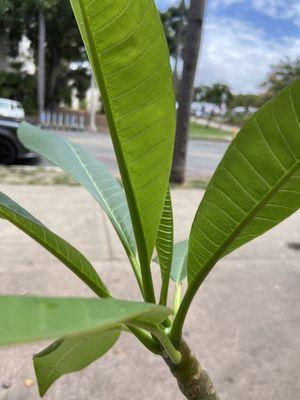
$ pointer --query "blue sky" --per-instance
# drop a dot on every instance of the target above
(242, 38)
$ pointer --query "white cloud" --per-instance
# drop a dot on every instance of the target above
(279, 9)
(224, 3)
(240, 54)
(164, 4)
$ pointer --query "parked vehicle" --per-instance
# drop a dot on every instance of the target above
(11, 109)
(11, 148)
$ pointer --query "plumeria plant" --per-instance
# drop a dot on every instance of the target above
(256, 186)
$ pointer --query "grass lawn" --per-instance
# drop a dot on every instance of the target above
(35, 176)
(200, 131)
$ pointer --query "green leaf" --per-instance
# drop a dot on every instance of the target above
(179, 261)
(71, 354)
(128, 52)
(164, 246)
(61, 249)
(90, 173)
(256, 186)
(29, 319)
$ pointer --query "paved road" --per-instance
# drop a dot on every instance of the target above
(203, 155)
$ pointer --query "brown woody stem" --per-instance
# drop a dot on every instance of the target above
(192, 378)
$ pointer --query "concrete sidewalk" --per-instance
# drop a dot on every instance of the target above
(244, 324)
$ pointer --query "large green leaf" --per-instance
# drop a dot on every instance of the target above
(61, 249)
(90, 173)
(29, 319)
(179, 261)
(256, 186)
(164, 246)
(128, 52)
(71, 354)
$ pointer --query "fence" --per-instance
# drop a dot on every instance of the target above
(64, 120)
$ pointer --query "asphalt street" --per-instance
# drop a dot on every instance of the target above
(203, 155)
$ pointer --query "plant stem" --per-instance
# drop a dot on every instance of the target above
(149, 294)
(176, 331)
(145, 338)
(164, 292)
(173, 354)
(137, 271)
(192, 378)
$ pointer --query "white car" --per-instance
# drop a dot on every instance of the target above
(11, 109)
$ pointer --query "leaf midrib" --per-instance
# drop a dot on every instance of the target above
(256, 209)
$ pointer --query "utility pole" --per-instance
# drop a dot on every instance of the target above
(41, 62)
(93, 127)
(190, 58)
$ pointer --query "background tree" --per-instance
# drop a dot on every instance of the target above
(218, 93)
(199, 92)
(281, 75)
(190, 59)
(214, 94)
(174, 20)
(175, 25)
(247, 101)
(63, 43)
(19, 85)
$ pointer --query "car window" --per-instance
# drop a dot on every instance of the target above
(4, 104)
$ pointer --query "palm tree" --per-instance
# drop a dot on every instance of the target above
(190, 59)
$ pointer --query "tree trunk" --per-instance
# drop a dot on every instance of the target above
(190, 58)
(41, 62)
(53, 73)
(192, 378)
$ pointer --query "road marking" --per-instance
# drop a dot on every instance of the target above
(83, 141)
(203, 154)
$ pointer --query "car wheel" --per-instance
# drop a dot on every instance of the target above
(8, 152)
